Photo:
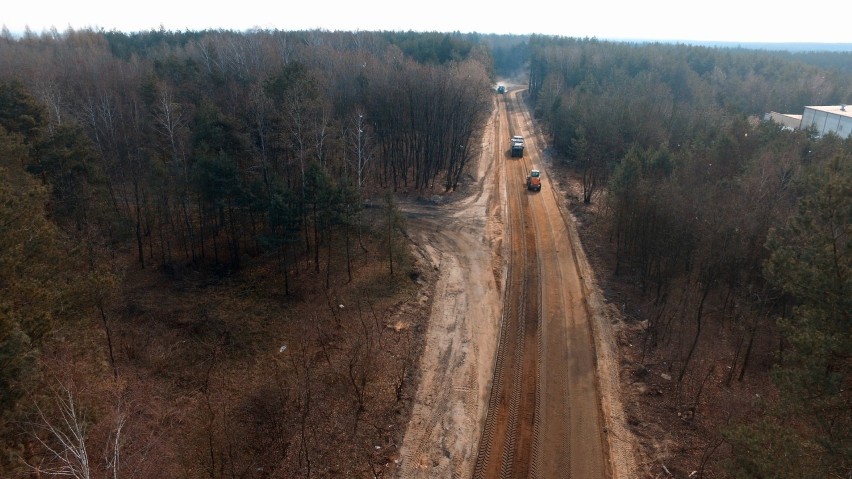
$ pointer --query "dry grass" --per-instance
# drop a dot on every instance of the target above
(233, 377)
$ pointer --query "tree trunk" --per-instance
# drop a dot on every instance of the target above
(698, 318)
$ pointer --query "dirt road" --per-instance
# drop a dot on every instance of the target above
(518, 376)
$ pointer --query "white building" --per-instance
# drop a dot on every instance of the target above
(825, 119)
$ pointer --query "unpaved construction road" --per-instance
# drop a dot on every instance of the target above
(518, 376)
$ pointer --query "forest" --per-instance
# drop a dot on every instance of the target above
(725, 238)
(173, 204)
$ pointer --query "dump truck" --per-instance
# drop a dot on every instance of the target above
(534, 181)
(517, 146)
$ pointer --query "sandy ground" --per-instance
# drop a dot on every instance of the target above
(463, 241)
(606, 323)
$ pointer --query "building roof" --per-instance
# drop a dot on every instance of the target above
(842, 110)
(775, 114)
(791, 122)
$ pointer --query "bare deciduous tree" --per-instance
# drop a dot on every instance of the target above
(63, 431)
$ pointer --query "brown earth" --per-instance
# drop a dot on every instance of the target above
(243, 375)
(464, 241)
(676, 429)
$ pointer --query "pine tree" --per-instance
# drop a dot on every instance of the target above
(808, 433)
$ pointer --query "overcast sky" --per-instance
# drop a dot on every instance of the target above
(715, 20)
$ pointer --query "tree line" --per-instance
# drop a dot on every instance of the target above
(187, 141)
(735, 232)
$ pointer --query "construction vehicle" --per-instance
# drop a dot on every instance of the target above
(534, 181)
(501, 89)
(517, 146)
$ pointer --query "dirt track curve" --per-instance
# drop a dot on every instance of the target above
(509, 379)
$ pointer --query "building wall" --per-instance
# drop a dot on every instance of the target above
(808, 118)
(844, 127)
(825, 122)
